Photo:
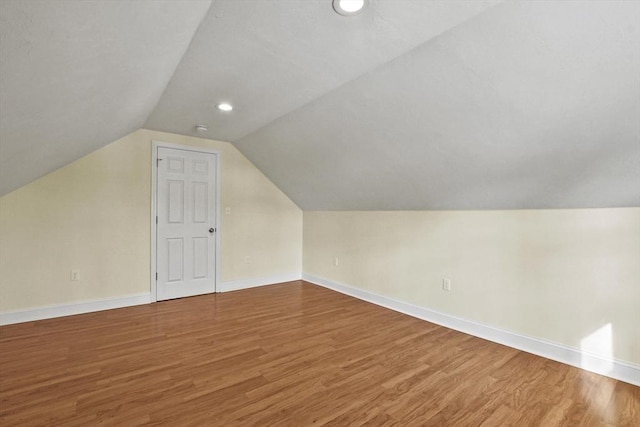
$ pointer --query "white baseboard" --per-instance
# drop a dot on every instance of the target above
(49, 312)
(619, 370)
(81, 307)
(236, 285)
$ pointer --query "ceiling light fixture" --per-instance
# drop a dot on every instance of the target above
(202, 128)
(225, 107)
(349, 7)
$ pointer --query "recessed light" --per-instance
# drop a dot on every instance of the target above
(225, 107)
(349, 7)
(202, 128)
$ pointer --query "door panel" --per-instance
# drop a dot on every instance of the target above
(200, 257)
(186, 208)
(175, 200)
(200, 203)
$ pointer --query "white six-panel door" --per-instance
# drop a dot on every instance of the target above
(186, 223)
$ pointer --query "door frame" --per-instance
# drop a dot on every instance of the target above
(154, 206)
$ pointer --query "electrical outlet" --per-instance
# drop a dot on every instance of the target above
(75, 275)
(227, 210)
(446, 284)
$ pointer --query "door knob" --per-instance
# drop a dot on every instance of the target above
(211, 230)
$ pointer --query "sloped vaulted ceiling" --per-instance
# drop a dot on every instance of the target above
(76, 75)
(532, 104)
(410, 105)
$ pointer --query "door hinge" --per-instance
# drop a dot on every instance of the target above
(156, 277)
(156, 219)
(158, 161)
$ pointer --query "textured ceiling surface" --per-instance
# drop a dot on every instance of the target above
(528, 105)
(410, 105)
(77, 75)
(269, 58)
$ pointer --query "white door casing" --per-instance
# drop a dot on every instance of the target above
(186, 226)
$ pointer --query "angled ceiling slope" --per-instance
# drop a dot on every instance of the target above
(77, 75)
(410, 105)
(422, 104)
(530, 104)
(269, 58)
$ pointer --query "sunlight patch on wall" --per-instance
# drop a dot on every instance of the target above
(598, 343)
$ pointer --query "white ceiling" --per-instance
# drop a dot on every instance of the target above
(411, 105)
(269, 58)
(77, 75)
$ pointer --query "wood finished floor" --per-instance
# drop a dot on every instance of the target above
(288, 354)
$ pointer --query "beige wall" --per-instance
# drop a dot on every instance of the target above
(560, 275)
(94, 215)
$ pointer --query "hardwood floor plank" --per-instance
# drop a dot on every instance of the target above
(287, 354)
